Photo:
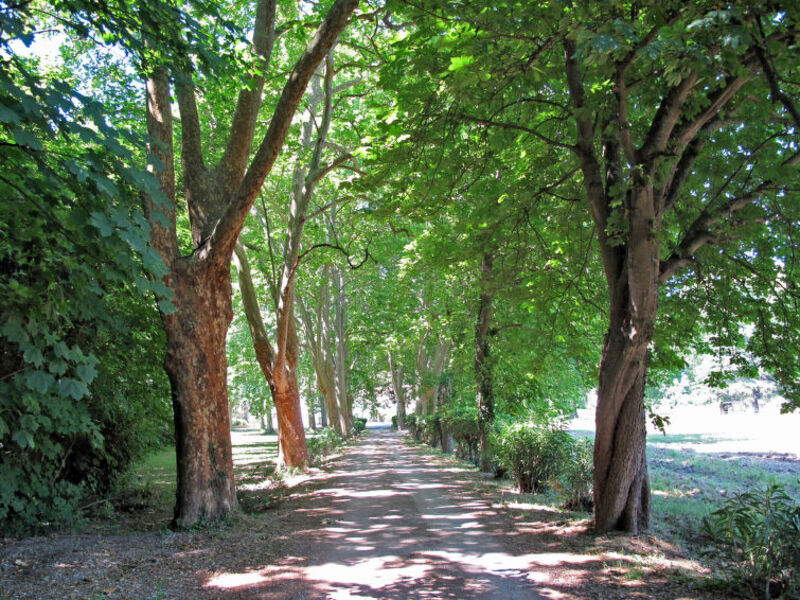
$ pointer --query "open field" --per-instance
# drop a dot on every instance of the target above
(706, 456)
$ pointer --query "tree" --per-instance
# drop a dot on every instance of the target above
(684, 132)
(218, 198)
(81, 393)
(642, 182)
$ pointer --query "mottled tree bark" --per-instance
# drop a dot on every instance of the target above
(196, 364)
(318, 340)
(343, 399)
(429, 372)
(218, 200)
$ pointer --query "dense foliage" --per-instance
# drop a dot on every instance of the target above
(760, 531)
(472, 177)
(80, 378)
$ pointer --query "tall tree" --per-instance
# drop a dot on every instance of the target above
(684, 132)
(218, 199)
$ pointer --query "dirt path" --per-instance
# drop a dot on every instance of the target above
(383, 521)
(400, 527)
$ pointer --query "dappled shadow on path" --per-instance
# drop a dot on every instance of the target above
(388, 523)
(382, 521)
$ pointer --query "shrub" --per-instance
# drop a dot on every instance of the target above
(394, 422)
(359, 425)
(761, 533)
(462, 423)
(576, 477)
(322, 444)
(533, 454)
(429, 429)
(411, 424)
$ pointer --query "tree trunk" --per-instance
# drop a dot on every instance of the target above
(266, 418)
(429, 371)
(399, 392)
(291, 435)
(345, 405)
(621, 483)
(323, 415)
(483, 373)
(197, 368)
(319, 342)
(311, 404)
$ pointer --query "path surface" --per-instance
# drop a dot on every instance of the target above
(393, 525)
(382, 521)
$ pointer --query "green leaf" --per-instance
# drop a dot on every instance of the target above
(23, 439)
(103, 224)
(166, 307)
(72, 387)
(459, 62)
(8, 115)
(39, 381)
(26, 138)
(86, 372)
(603, 43)
(33, 355)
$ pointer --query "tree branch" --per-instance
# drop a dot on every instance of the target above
(666, 117)
(230, 224)
(159, 127)
(240, 137)
(513, 126)
(775, 91)
(264, 352)
(700, 232)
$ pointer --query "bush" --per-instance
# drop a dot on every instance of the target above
(359, 425)
(411, 424)
(462, 423)
(394, 422)
(533, 454)
(576, 477)
(322, 444)
(429, 429)
(761, 533)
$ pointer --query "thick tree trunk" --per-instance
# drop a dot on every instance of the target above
(621, 483)
(197, 368)
(483, 373)
(291, 435)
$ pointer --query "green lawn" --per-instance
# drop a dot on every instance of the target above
(687, 484)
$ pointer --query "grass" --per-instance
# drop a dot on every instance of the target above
(145, 497)
(687, 484)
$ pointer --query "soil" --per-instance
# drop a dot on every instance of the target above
(384, 520)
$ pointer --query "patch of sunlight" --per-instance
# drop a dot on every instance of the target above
(375, 572)
(554, 559)
(676, 493)
(459, 517)
(235, 580)
(365, 494)
(527, 506)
